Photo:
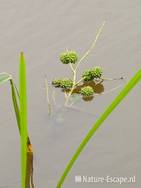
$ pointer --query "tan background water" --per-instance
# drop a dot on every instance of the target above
(43, 29)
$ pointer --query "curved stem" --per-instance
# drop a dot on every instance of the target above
(92, 46)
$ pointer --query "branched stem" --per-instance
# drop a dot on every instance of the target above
(73, 86)
(79, 81)
(74, 70)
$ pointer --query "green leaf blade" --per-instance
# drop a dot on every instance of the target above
(23, 119)
(15, 99)
(124, 92)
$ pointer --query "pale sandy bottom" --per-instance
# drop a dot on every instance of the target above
(43, 29)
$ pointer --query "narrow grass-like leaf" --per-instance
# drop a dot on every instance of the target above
(23, 119)
(15, 99)
(4, 77)
(20, 103)
(129, 86)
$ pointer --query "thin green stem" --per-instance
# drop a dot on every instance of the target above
(129, 86)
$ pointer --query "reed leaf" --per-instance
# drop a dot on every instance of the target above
(15, 100)
(4, 77)
(20, 108)
(23, 119)
(124, 92)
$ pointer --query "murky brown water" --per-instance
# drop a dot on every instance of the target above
(43, 29)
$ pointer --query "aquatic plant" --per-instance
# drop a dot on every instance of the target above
(87, 91)
(57, 82)
(124, 92)
(71, 59)
(63, 83)
(93, 73)
(4, 77)
(23, 119)
(19, 99)
(68, 57)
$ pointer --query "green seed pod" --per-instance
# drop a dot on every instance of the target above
(66, 84)
(57, 82)
(87, 91)
(69, 57)
(97, 72)
(88, 75)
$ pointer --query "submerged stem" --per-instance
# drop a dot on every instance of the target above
(47, 96)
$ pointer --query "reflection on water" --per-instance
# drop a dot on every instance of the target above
(87, 99)
(97, 87)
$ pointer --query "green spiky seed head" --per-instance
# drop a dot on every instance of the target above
(66, 84)
(69, 57)
(92, 73)
(97, 72)
(87, 91)
(57, 82)
(63, 83)
(88, 75)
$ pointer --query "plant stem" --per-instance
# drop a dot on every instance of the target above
(47, 96)
(79, 81)
(112, 79)
(74, 70)
(128, 87)
(73, 86)
(92, 46)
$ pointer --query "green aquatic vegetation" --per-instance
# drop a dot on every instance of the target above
(23, 119)
(19, 99)
(93, 73)
(88, 75)
(87, 91)
(63, 83)
(97, 72)
(71, 59)
(66, 84)
(57, 82)
(68, 57)
(124, 92)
